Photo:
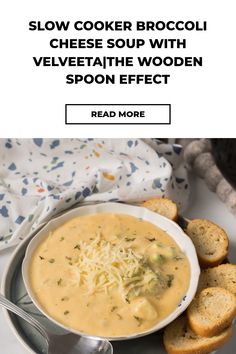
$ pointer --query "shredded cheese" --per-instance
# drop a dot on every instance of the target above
(101, 265)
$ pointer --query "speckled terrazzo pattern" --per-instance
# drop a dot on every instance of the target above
(40, 178)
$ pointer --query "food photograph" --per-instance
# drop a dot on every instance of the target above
(118, 246)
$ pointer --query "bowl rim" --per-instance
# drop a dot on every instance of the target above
(171, 227)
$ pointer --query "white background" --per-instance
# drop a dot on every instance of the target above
(32, 99)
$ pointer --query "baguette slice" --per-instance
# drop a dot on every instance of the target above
(162, 206)
(180, 339)
(223, 276)
(211, 242)
(211, 311)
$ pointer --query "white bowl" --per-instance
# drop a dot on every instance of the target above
(174, 231)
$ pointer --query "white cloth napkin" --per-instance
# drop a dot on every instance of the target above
(40, 178)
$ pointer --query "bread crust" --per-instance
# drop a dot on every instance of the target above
(206, 264)
(201, 346)
(198, 308)
(156, 204)
(204, 260)
(223, 276)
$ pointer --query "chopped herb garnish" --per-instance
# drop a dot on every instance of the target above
(77, 247)
(170, 280)
(41, 257)
(160, 245)
(52, 260)
(151, 239)
(70, 263)
(139, 320)
(159, 258)
(209, 253)
(119, 316)
(177, 258)
(59, 281)
(114, 308)
(128, 239)
(62, 238)
(69, 258)
(65, 298)
(91, 239)
(127, 300)
(66, 312)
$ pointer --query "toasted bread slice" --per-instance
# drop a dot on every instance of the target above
(163, 206)
(223, 276)
(210, 240)
(211, 311)
(180, 339)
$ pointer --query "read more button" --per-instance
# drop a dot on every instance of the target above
(118, 114)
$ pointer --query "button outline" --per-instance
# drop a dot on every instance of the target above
(117, 104)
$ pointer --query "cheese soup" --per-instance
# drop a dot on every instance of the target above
(109, 274)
